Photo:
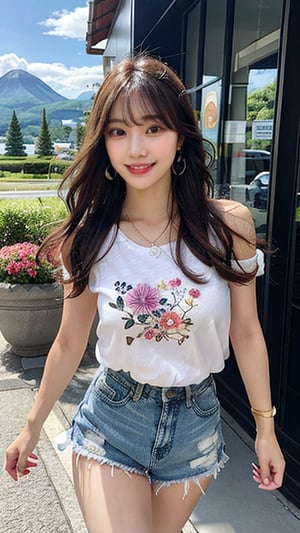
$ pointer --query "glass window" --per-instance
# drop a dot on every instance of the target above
(249, 129)
(204, 66)
(214, 39)
(192, 59)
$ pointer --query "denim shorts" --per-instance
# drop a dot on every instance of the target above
(169, 435)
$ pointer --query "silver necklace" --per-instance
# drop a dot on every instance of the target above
(154, 249)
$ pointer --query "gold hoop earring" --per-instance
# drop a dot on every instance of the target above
(180, 160)
(107, 173)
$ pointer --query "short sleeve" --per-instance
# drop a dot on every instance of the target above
(248, 265)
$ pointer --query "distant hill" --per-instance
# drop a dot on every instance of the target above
(86, 95)
(18, 88)
(27, 95)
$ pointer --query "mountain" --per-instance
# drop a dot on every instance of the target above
(28, 95)
(86, 95)
(24, 90)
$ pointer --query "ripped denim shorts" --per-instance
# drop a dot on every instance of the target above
(170, 435)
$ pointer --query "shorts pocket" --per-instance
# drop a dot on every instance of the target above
(112, 390)
(204, 398)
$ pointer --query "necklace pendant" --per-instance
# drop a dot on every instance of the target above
(154, 250)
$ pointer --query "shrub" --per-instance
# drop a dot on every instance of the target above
(29, 220)
(34, 165)
(18, 264)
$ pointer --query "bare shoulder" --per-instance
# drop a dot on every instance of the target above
(238, 218)
(236, 215)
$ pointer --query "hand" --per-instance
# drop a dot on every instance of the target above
(19, 455)
(269, 473)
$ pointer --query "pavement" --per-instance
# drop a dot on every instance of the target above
(44, 501)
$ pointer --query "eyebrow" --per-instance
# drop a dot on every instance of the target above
(144, 118)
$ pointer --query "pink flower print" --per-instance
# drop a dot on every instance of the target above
(174, 283)
(149, 334)
(170, 320)
(194, 293)
(142, 299)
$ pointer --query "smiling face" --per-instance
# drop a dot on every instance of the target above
(141, 148)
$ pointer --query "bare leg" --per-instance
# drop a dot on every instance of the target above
(111, 500)
(170, 510)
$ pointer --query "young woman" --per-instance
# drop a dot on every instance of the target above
(172, 273)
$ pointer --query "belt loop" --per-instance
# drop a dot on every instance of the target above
(138, 392)
(188, 396)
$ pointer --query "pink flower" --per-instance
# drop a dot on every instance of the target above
(174, 283)
(194, 293)
(149, 334)
(13, 267)
(170, 320)
(18, 264)
(142, 299)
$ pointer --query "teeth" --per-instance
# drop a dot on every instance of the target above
(140, 167)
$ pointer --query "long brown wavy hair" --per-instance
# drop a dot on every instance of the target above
(95, 203)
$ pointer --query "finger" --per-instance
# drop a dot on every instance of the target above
(278, 478)
(12, 471)
(29, 464)
(256, 468)
(271, 486)
(266, 474)
(24, 472)
(33, 456)
(256, 473)
(257, 478)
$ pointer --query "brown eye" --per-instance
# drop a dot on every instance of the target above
(117, 132)
(154, 129)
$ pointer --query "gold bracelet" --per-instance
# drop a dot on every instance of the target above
(265, 414)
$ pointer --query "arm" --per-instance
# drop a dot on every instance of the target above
(251, 355)
(62, 362)
(252, 359)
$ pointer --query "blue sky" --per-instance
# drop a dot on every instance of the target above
(48, 40)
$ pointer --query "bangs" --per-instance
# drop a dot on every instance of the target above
(144, 104)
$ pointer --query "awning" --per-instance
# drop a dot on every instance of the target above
(101, 16)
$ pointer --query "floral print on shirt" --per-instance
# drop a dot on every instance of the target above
(160, 312)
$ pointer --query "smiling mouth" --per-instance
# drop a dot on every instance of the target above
(140, 169)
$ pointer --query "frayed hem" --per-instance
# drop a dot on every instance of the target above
(213, 472)
(81, 452)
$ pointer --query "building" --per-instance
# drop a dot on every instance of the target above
(222, 49)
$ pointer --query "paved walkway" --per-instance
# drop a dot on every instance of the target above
(45, 502)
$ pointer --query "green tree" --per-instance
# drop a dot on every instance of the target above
(261, 103)
(80, 132)
(14, 143)
(44, 145)
(67, 132)
(260, 106)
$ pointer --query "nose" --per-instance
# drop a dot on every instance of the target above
(137, 146)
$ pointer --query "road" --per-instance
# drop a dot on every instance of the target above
(27, 194)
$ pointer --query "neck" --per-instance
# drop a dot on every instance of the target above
(147, 205)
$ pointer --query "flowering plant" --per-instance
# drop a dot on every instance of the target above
(18, 264)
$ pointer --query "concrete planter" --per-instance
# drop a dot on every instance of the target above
(30, 316)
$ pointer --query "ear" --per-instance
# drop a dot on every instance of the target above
(181, 140)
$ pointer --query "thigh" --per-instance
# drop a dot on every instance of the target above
(112, 500)
(172, 506)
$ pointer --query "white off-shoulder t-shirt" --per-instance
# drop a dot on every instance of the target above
(156, 323)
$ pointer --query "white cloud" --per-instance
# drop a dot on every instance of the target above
(68, 24)
(68, 81)
(10, 62)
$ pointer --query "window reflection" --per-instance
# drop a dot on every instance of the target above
(249, 129)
